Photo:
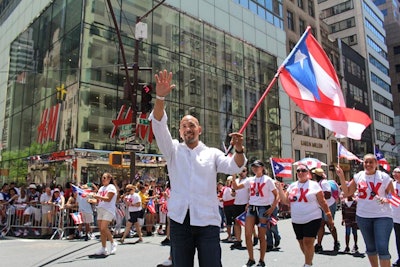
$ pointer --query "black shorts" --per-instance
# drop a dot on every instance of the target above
(239, 209)
(229, 214)
(134, 216)
(309, 229)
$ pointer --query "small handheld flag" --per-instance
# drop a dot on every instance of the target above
(380, 156)
(77, 217)
(151, 206)
(394, 200)
(80, 191)
(241, 219)
(282, 167)
(344, 153)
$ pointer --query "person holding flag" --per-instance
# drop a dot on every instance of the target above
(396, 213)
(105, 199)
(134, 203)
(192, 168)
(262, 203)
(374, 214)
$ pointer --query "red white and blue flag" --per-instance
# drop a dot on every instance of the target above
(344, 153)
(282, 167)
(241, 219)
(380, 156)
(393, 199)
(77, 217)
(80, 191)
(310, 80)
(151, 206)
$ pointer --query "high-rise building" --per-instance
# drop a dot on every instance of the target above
(391, 12)
(360, 25)
(65, 85)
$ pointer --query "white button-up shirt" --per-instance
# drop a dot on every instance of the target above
(193, 176)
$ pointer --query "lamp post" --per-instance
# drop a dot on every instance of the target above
(132, 88)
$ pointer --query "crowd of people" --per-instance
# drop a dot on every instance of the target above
(195, 209)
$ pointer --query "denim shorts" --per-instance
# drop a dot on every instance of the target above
(257, 211)
(332, 209)
(376, 233)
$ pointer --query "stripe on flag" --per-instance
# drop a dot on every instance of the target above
(393, 199)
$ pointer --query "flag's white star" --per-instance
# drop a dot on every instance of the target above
(299, 56)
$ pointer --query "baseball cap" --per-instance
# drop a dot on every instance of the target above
(257, 163)
(318, 171)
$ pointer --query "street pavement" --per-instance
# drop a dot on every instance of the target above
(37, 252)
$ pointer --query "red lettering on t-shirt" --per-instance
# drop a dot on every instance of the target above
(303, 195)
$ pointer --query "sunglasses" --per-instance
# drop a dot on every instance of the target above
(301, 170)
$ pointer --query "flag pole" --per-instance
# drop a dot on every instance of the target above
(253, 112)
(273, 169)
(257, 106)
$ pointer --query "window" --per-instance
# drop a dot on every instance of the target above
(311, 8)
(300, 4)
(343, 25)
(396, 50)
(302, 26)
(290, 20)
(397, 67)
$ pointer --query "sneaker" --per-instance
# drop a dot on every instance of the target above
(277, 242)
(269, 248)
(249, 263)
(92, 236)
(336, 246)
(317, 248)
(396, 264)
(166, 242)
(261, 264)
(237, 245)
(355, 250)
(28, 223)
(346, 250)
(255, 241)
(26, 232)
(102, 251)
(18, 233)
(166, 263)
(36, 232)
(113, 248)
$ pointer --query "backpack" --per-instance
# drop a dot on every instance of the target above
(335, 190)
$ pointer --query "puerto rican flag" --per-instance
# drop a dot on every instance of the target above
(151, 206)
(241, 219)
(394, 200)
(77, 217)
(344, 153)
(82, 192)
(380, 156)
(310, 80)
(282, 167)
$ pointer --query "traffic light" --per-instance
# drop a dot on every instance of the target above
(146, 105)
(115, 159)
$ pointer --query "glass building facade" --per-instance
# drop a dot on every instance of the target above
(66, 85)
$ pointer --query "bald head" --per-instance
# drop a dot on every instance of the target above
(189, 130)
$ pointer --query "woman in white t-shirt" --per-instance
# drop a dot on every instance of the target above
(106, 199)
(396, 214)
(134, 204)
(373, 213)
(263, 200)
(305, 198)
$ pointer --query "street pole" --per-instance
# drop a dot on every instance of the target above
(132, 89)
